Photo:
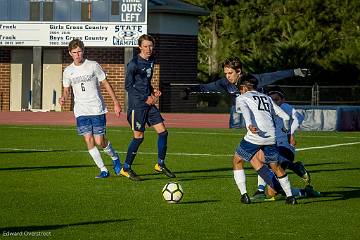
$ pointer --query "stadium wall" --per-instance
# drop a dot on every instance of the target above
(330, 118)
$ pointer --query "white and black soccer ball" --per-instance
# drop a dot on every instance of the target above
(172, 192)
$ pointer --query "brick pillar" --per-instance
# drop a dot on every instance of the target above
(5, 58)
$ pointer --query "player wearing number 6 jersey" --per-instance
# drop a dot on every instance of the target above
(84, 77)
(259, 111)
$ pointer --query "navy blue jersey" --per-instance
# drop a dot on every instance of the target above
(223, 85)
(138, 82)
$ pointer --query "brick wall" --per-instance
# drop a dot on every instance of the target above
(5, 80)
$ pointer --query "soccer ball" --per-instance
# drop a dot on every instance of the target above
(172, 192)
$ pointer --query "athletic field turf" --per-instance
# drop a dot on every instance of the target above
(48, 188)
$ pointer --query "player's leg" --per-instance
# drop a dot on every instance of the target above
(156, 121)
(136, 119)
(287, 158)
(272, 158)
(264, 173)
(84, 128)
(99, 130)
(240, 178)
(260, 192)
(244, 152)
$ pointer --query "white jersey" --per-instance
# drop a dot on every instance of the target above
(259, 110)
(85, 82)
(295, 121)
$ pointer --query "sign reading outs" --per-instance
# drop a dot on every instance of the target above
(132, 10)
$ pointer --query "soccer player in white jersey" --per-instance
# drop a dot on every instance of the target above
(258, 110)
(84, 77)
(286, 144)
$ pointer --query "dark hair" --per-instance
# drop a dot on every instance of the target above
(146, 37)
(249, 81)
(233, 62)
(75, 43)
(276, 90)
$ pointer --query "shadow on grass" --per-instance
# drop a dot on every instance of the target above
(17, 151)
(59, 226)
(44, 167)
(353, 192)
(200, 201)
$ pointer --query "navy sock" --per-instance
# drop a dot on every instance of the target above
(132, 150)
(269, 177)
(162, 147)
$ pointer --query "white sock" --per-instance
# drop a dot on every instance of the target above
(261, 183)
(109, 150)
(285, 184)
(95, 154)
(240, 179)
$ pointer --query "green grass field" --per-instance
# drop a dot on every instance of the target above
(48, 188)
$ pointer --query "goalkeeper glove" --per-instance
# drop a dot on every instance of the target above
(302, 72)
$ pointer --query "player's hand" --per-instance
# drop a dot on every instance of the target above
(302, 72)
(157, 93)
(151, 100)
(62, 100)
(253, 129)
(292, 140)
(117, 109)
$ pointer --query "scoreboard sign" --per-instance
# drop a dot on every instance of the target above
(125, 33)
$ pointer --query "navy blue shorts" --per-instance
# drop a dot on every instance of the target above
(137, 118)
(247, 150)
(95, 124)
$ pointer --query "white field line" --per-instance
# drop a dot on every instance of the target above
(110, 129)
(176, 154)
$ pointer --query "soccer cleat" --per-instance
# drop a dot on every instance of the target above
(103, 174)
(258, 195)
(301, 171)
(245, 198)
(130, 174)
(163, 169)
(310, 192)
(117, 166)
(291, 200)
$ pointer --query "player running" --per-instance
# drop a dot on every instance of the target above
(85, 77)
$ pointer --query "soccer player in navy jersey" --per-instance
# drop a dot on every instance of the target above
(229, 84)
(259, 110)
(142, 110)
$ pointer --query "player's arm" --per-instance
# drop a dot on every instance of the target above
(65, 96)
(297, 119)
(213, 87)
(282, 114)
(110, 90)
(130, 85)
(271, 77)
(241, 106)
